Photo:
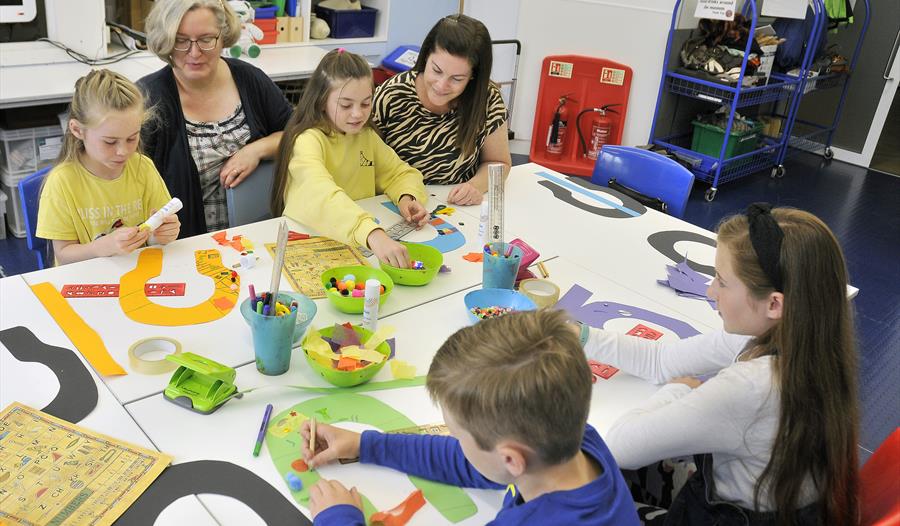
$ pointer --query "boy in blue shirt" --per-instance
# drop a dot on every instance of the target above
(515, 393)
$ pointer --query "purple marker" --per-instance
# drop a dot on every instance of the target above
(265, 310)
(262, 430)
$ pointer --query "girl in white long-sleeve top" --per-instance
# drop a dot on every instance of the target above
(777, 424)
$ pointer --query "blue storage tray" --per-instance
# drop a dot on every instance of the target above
(351, 23)
(401, 59)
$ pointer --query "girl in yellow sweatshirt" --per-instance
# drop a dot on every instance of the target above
(330, 156)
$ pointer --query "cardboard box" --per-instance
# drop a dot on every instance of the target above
(767, 59)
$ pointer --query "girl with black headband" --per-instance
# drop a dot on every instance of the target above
(774, 429)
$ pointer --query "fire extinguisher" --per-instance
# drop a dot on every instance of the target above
(601, 130)
(556, 135)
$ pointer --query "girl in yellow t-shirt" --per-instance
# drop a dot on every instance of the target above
(330, 155)
(101, 188)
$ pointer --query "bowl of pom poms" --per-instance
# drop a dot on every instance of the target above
(424, 263)
(345, 287)
(345, 355)
(482, 304)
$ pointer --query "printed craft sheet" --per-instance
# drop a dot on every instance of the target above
(54, 472)
(306, 259)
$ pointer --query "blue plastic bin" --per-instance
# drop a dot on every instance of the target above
(265, 10)
(401, 59)
(350, 23)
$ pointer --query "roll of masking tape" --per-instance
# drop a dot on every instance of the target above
(542, 292)
(153, 345)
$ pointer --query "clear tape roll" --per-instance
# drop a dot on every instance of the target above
(152, 345)
(542, 292)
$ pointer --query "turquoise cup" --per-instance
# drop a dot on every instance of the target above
(499, 272)
(275, 336)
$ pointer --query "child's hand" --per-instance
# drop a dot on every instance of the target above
(124, 240)
(167, 231)
(332, 443)
(689, 381)
(465, 194)
(388, 251)
(327, 493)
(412, 211)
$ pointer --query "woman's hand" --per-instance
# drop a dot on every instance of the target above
(412, 211)
(327, 493)
(465, 194)
(239, 166)
(167, 231)
(388, 251)
(332, 443)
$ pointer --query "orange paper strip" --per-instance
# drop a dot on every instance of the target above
(83, 337)
(474, 257)
(401, 514)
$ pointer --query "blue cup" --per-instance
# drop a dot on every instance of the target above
(499, 272)
(275, 336)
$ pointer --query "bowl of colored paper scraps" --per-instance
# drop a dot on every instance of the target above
(346, 355)
(345, 287)
(424, 263)
(491, 303)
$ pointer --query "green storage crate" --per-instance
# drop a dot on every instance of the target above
(708, 140)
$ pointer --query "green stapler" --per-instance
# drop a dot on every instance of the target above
(200, 384)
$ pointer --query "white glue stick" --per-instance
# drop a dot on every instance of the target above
(370, 304)
(153, 222)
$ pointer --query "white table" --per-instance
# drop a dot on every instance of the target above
(607, 258)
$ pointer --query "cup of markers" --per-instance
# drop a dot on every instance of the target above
(500, 265)
(275, 333)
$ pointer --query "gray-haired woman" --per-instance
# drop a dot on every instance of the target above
(218, 116)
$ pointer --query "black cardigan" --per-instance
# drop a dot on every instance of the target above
(165, 138)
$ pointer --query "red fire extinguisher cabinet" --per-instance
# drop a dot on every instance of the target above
(586, 82)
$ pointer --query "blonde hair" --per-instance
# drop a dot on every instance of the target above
(522, 376)
(336, 67)
(814, 365)
(165, 17)
(96, 95)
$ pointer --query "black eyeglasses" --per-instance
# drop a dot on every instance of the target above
(203, 43)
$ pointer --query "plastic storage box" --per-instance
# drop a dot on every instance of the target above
(401, 59)
(708, 140)
(3, 199)
(14, 215)
(27, 150)
(351, 23)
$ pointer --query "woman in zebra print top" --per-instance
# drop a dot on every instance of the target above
(444, 116)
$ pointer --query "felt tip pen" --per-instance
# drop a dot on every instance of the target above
(265, 311)
(259, 307)
(262, 430)
(252, 295)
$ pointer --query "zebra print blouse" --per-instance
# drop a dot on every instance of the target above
(427, 140)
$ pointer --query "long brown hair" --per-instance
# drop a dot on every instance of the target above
(336, 68)
(465, 37)
(814, 366)
(98, 93)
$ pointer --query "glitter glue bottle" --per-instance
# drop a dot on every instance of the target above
(153, 222)
(482, 226)
(370, 304)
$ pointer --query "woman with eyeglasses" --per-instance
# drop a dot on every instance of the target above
(444, 116)
(217, 117)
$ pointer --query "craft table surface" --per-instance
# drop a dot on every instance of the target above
(609, 258)
(228, 340)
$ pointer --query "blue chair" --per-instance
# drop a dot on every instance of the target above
(30, 196)
(646, 172)
(248, 202)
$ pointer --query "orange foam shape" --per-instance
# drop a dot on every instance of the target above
(400, 515)
(474, 257)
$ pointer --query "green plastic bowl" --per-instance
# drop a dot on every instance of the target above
(349, 304)
(348, 378)
(430, 256)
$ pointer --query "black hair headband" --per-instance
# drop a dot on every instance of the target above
(766, 237)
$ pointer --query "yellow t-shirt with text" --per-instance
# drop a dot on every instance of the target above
(77, 205)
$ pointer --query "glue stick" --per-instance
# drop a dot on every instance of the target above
(482, 226)
(370, 304)
(153, 222)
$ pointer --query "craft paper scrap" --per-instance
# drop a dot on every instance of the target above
(402, 370)
(54, 472)
(85, 339)
(135, 304)
(306, 259)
